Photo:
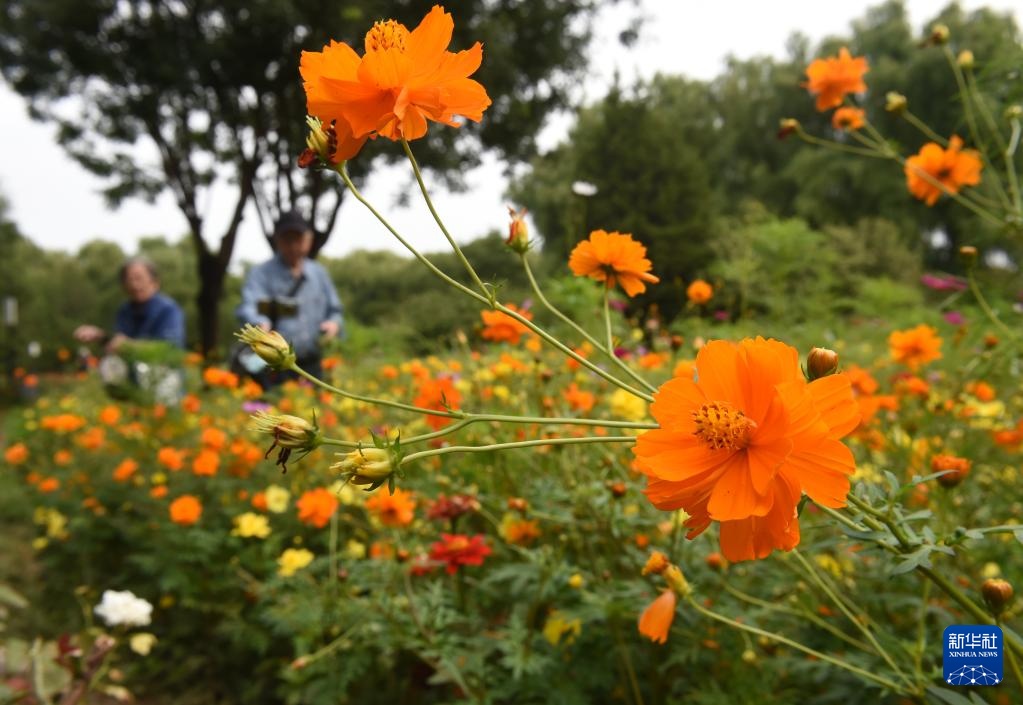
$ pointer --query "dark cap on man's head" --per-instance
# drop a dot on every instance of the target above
(291, 222)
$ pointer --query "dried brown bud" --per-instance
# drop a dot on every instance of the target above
(821, 362)
(997, 594)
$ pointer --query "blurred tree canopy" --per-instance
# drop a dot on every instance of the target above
(675, 160)
(179, 94)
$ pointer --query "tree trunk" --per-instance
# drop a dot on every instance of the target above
(211, 288)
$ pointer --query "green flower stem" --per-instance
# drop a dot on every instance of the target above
(517, 444)
(582, 331)
(867, 675)
(924, 128)
(848, 612)
(879, 520)
(607, 320)
(1010, 168)
(839, 147)
(488, 300)
(985, 113)
(1013, 663)
(571, 353)
(343, 171)
(801, 614)
(985, 306)
(440, 223)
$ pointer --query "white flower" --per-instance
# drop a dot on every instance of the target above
(122, 607)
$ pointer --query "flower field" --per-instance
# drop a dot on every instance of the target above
(500, 575)
(788, 489)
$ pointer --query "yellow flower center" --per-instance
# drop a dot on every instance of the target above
(387, 35)
(721, 426)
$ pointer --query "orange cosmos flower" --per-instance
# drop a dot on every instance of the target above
(125, 469)
(171, 458)
(699, 292)
(316, 507)
(915, 346)
(110, 415)
(403, 79)
(392, 509)
(62, 423)
(953, 168)
(500, 327)
(439, 394)
(185, 510)
(656, 619)
(213, 438)
(957, 469)
(16, 454)
(579, 399)
(741, 445)
(846, 118)
(48, 485)
(613, 258)
(832, 77)
(206, 463)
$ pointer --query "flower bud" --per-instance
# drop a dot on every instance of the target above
(821, 362)
(269, 345)
(786, 127)
(965, 59)
(968, 255)
(617, 489)
(290, 433)
(939, 34)
(577, 581)
(518, 231)
(895, 103)
(676, 581)
(366, 466)
(955, 468)
(997, 594)
(657, 563)
(1014, 112)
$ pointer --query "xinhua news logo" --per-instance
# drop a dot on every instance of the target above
(973, 655)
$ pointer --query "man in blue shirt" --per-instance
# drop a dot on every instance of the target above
(293, 295)
(146, 315)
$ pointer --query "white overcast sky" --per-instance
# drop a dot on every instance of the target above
(57, 204)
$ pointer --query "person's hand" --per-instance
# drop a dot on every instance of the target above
(116, 342)
(329, 329)
(263, 325)
(88, 334)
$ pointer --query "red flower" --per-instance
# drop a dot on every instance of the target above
(459, 549)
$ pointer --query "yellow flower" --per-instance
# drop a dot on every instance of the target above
(576, 581)
(251, 525)
(142, 643)
(355, 550)
(293, 560)
(627, 406)
(277, 499)
(558, 630)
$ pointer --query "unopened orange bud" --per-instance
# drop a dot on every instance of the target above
(997, 594)
(518, 231)
(821, 362)
(657, 563)
(786, 127)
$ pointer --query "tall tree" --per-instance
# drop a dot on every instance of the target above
(180, 94)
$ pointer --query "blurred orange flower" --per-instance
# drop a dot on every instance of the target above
(741, 445)
(396, 509)
(185, 510)
(125, 469)
(206, 463)
(403, 79)
(915, 346)
(500, 327)
(656, 619)
(957, 469)
(213, 438)
(62, 423)
(458, 549)
(171, 458)
(699, 292)
(316, 507)
(953, 168)
(831, 78)
(846, 118)
(110, 415)
(16, 454)
(613, 258)
(579, 399)
(439, 394)
(50, 484)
